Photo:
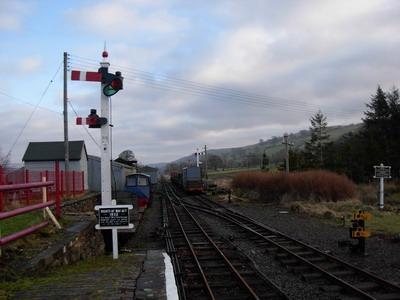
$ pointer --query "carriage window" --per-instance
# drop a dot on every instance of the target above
(131, 181)
(142, 181)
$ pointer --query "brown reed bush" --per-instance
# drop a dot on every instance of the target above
(319, 185)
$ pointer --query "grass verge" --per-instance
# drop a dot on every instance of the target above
(382, 222)
(20, 222)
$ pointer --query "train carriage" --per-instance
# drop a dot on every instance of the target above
(140, 185)
(191, 179)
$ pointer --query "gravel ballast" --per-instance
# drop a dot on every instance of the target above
(382, 258)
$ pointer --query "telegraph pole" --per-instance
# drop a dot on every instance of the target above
(206, 165)
(66, 142)
(287, 144)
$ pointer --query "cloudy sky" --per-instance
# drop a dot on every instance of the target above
(221, 73)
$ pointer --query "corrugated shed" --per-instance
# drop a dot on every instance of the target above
(119, 171)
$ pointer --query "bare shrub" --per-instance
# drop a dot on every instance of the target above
(319, 185)
(368, 194)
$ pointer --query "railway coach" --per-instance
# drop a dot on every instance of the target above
(140, 185)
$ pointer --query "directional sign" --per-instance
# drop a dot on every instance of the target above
(382, 171)
(113, 217)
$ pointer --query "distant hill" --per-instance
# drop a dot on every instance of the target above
(250, 155)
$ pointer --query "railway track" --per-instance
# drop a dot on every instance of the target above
(206, 267)
(310, 263)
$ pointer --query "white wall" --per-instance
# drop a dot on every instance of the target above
(74, 165)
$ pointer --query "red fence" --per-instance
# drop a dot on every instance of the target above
(22, 210)
(70, 183)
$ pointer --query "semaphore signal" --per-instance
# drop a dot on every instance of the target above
(110, 85)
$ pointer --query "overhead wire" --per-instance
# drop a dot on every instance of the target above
(27, 102)
(173, 83)
(34, 109)
(219, 97)
(194, 90)
(87, 131)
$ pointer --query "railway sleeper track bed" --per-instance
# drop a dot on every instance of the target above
(207, 267)
(311, 264)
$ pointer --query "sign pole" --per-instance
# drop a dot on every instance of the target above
(382, 172)
(381, 193)
(115, 237)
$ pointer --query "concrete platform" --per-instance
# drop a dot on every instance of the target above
(139, 275)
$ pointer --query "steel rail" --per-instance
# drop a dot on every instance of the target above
(328, 256)
(334, 278)
(208, 288)
(172, 252)
(221, 254)
(226, 260)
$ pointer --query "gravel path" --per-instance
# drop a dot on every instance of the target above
(148, 234)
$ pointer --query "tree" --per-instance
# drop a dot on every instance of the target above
(314, 149)
(379, 110)
(214, 161)
(127, 157)
(355, 154)
(377, 129)
(265, 162)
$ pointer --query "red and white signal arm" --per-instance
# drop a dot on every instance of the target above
(86, 76)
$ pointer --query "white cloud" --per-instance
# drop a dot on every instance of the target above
(118, 19)
(29, 65)
(299, 56)
(12, 14)
(237, 56)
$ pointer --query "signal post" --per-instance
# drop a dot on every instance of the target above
(105, 140)
(113, 216)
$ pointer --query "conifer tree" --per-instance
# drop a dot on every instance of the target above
(378, 109)
(314, 149)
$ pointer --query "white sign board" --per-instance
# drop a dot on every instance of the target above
(113, 216)
(382, 171)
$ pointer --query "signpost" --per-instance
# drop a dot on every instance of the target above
(113, 217)
(382, 172)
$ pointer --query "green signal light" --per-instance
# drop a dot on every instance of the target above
(109, 91)
(112, 88)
